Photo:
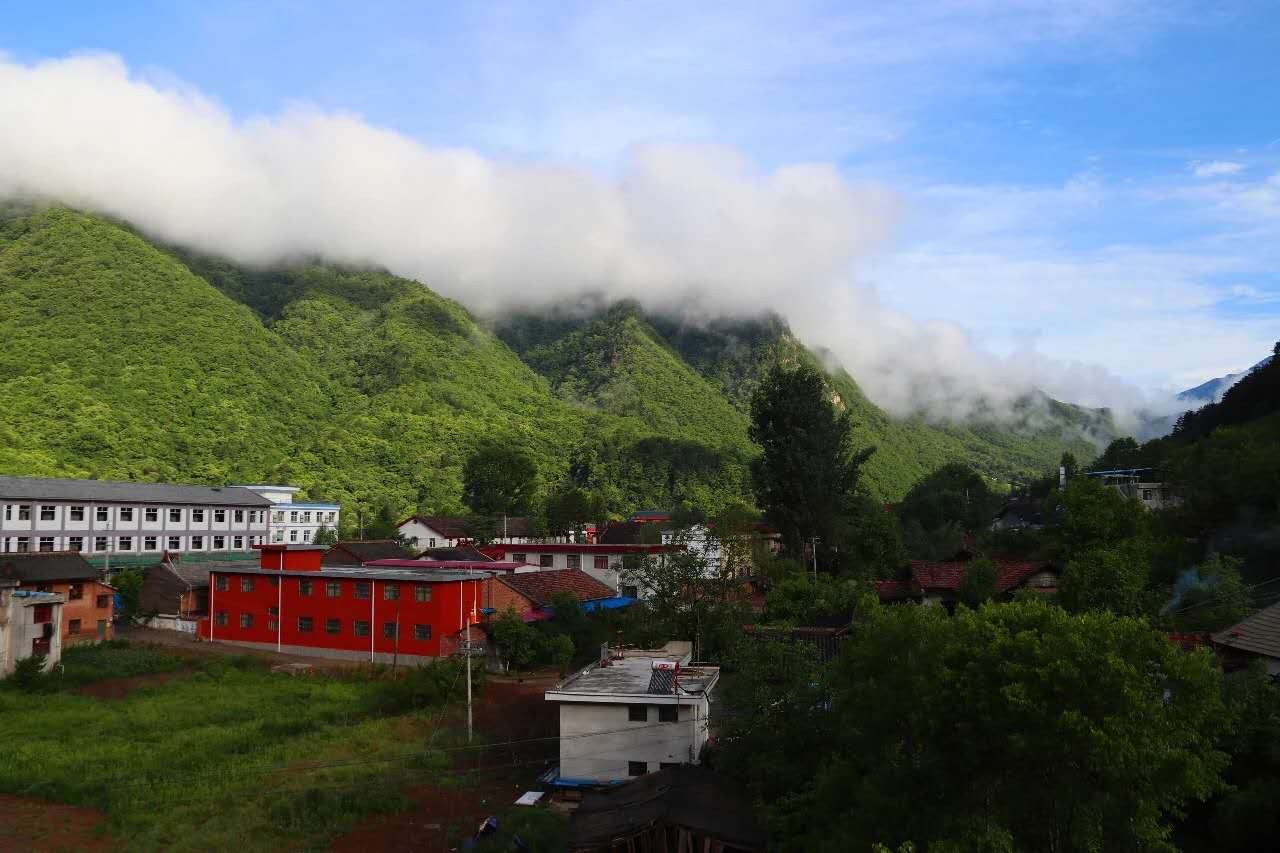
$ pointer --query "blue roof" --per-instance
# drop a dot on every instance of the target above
(616, 603)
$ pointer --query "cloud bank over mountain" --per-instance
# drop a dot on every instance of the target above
(682, 228)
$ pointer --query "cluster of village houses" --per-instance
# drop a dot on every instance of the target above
(239, 565)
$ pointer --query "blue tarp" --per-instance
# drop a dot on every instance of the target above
(616, 603)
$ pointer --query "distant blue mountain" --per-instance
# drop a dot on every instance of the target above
(1212, 391)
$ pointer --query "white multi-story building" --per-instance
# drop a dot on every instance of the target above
(636, 712)
(296, 523)
(99, 516)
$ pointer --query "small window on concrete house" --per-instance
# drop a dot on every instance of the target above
(73, 627)
(75, 591)
(219, 516)
(637, 768)
(197, 543)
(333, 626)
(246, 620)
(519, 558)
(362, 628)
(77, 513)
(388, 629)
(391, 591)
(48, 513)
(668, 713)
(175, 543)
(1146, 494)
(126, 513)
(422, 632)
(46, 543)
(574, 561)
(431, 543)
(152, 513)
(150, 543)
(305, 624)
(638, 713)
(23, 545)
(293, 517)
(24, 512)
(221, 618)
(546, 561)
(237, 542)
(601, 562)
(75, 543)
(99, 543)
(333, 589)
(293, 536)
(246, 584)
(197, 516)
(238, 516)
(304, 588)
(175, 515)
(219, 542)
(220, 583)
(306, 536)
(103, 601)
(422, 592)
(125, 543)
(362, 589)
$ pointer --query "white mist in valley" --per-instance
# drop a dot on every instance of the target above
(678, 228)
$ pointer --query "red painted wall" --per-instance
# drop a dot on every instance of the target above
(441, 612)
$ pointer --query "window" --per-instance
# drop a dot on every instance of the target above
(1146, 494)
(333, 626)
(219, 516)
(362, 589)
(362, 628)
(237, 542)
(333, 589)
(637, 768)
(76, 513)
(24, 512)
(246, 584)
(306, 536)
(306, 518)
(175, 514)
(573, 561)
(329, 517)
(388, 630)
(219, 543)
(197, 515)
(197, 543)
(304, 624)
(304, 588)
(668, 713)
(238, 516)
(220, 583)
(638, 713)
(126, 513)
(103, 602)
(99, 543)
(48, 513)
(431, 543)
(46, 543)
(23, 544)
(152, 513)
(149, 543)
(279, 516)
(246, 620)
(391, 592)
(75, 592)
(221, 619)
(601, 562)
(519, 558)
(75, 543)
(293, 536)
(546, 561)
(422, 632)
(422, 592)
(293, 517)
(630, 591)
(279, 537)
(175, 543)
(8, 512)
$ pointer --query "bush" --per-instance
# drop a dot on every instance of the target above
(425, 686)
(28, 675)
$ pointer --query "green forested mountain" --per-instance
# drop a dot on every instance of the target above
(123, 358)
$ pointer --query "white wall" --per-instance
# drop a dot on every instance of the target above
(612, 740)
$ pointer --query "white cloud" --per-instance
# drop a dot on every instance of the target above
(1216, 168)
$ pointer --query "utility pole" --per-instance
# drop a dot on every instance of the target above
(813, 546)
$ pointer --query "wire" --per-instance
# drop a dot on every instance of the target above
(1221, 596)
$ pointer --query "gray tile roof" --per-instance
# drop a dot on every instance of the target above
(47, 566)
(106, 491)
(1260, 633)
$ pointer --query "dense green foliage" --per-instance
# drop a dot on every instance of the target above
(210, 748)
(499, 480)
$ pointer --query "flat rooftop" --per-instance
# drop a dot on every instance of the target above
(359, 573)
(633, 675)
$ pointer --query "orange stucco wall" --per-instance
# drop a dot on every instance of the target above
(85, 609)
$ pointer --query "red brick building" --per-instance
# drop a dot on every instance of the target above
(292, 603)
(90, 602)
(529, 592)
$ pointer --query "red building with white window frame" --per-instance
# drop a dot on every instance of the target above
(292, 604)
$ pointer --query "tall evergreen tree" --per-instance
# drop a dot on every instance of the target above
(807, 475)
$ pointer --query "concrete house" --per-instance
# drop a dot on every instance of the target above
(1145, 485)
(30, 625)
(294, 523)
(88, 602)
(634, 712)
(602, 562)
(100, 517)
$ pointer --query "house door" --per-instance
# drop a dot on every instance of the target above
(102, 629)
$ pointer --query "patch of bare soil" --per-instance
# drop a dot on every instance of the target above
(37, 826)
(118, 688)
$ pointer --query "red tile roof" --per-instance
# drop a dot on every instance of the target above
(1010, 574)
(538, 587)
(893, 590)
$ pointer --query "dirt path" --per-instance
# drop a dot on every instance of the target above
(41, 827)
(118, 688)
(188, 645)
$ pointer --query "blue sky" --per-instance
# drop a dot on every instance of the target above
(1094, 182)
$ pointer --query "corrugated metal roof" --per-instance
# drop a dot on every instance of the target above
(45, 566)
(363, 573)
(106, 491)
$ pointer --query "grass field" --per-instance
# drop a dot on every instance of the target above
(220, 753)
